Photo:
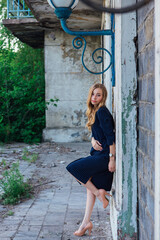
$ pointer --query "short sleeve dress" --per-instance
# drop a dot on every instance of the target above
(95, 166)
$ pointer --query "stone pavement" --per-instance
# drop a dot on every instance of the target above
(56, 211)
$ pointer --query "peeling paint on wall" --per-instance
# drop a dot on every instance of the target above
(77, 119)
(124, 206)
(72, 54)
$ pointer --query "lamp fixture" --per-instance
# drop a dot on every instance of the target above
(63, 10)
(126, 9)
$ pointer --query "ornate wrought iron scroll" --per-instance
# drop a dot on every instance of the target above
(79, 42)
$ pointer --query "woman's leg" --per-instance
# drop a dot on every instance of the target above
(88, 211)
(89, 206)
(90, 186)
(99, 193)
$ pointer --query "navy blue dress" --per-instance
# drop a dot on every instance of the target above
(95, 166)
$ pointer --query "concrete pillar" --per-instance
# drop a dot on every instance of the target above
(107, 44)
(67, 80)
(157, 121)
(124, 201)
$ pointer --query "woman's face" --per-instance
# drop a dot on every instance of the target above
(97, 96)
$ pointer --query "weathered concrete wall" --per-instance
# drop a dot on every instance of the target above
(67, 80)
(146, 123)
(124, 202)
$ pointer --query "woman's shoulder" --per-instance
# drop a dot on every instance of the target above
(104, 114)
(103, 110)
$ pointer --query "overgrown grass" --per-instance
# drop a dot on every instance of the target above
(13, 185)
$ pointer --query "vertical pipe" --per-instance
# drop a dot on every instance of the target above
(157, 121)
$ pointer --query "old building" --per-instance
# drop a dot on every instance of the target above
(134, 100)
(65, 77)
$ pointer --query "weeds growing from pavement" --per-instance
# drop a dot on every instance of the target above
(30, 157)
(9, 213)
(13, 185)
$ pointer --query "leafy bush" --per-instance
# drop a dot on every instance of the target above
(13, 185)
(22, 95)
(22, 91)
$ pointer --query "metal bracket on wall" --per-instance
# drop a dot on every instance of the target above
(79, 41)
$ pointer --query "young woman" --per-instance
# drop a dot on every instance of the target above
(95, 172)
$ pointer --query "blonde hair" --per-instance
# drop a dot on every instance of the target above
(91, 110)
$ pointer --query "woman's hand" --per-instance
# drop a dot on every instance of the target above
(96, 145)
(112, 164)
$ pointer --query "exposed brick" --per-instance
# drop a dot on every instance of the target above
(153, 178)
(147, 171)
(143, 141)
(149, 228)
(149, 58)
(139, 182)
(143, 192)
(148, 120)
(153, 116)
(151, 89)
(141, 39)
(143, 12)
(146, 61)
(149, 29)
(145, 223)
(151, 150)
(146, 32)
(142, 234)
(141, 64)
(143, 89)
(140, 163)
(150, 204)
(141, 114)
(141, 207)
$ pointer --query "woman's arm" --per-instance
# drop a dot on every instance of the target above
(107, 124)
(112, 149)
(112, 163)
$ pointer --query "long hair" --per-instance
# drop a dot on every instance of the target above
(91, 110)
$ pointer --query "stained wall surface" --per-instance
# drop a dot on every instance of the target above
(67, 80)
